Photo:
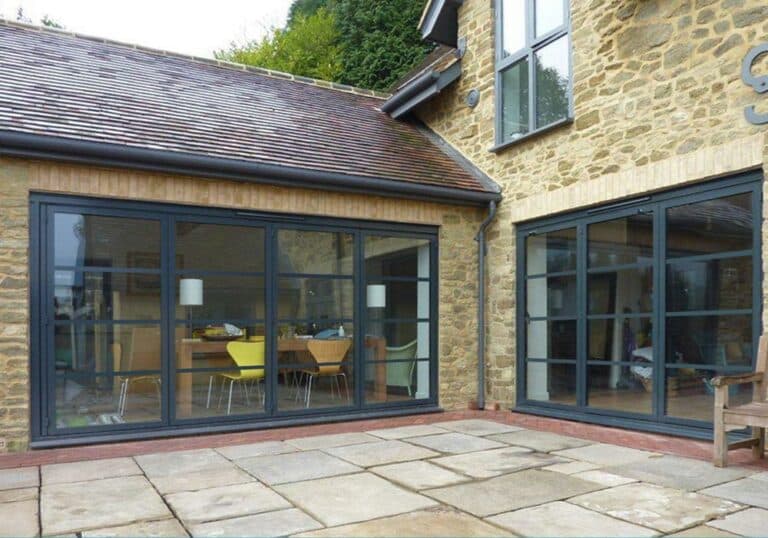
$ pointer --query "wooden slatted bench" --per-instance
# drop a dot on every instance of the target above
(753, 414)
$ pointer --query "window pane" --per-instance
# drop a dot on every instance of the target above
(396, 380)
(551, 296)
(627, 388)
(224, 297)
(208, 348)
(552, 339)
(552, 82)
(620, 339)
(207, 394)
(402, 299)
(628, 291)
(715, 340)
(621, 241)
(314, 299)
(513, 26)
(551, 252)
(515, 120)
(547, 382)
(106, 296)
(690, 393)
(106, 241)
(549, 15)
(407, 337)
(710, 285)
(720, 225)
(215, 247)
(396, 257)
(320, 253)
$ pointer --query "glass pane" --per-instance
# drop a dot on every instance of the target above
(222, 297)
(549, 15)
(720, 225)
(223, 393)
(396, 257)
(106, 241)
(551, 339)
(409, 339)
(552, 74)
(547, 382)
(627, 388)
(314, 299)
(551, 252)
(690, 393)
(515, 120)
(396, 381)
(216, 247)
(710, 285)
(620, 339)
(401, 299)
(513, 26)
(621, 241)
(315, 373)
(318, 253)
(106, 374)
(628, 291)
(206, 347)
(106, 296)
(715, 340)
(551, 296)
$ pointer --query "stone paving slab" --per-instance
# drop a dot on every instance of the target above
(14, 495)
(745, 491)
(185, 461)
(702, 531)
(381, 453)
(266, 448)
(539, 441)
(604, 454)
(489, 463)
(436, 522)
(511, 492)
(78, 506)
(278, 523)
(419, 475)
(760, 476)
(175, 483)
(404, 432)
(169, 528)
(296, 467)
(82, 471)
(657, 507)
(19, 519)
(749, 522)
(455, 443)
(25, 477)
(601, 477)
(329, 441)
(352, 498)
(566, 520)
(225, 502)
(677, 472)
(572, 467)
(477, 427)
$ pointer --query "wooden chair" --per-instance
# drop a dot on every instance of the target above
(753, 414)
(328, 355)
(144, 355)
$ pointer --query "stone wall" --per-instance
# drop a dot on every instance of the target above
(457, 351)
(659, 102)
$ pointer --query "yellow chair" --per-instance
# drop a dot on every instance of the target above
(328, 355)
(245, 355)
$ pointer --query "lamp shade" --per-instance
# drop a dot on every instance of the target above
(377, 295)
(190, 292)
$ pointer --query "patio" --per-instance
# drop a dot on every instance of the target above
(468, 477)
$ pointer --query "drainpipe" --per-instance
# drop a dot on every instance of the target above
(481, 253)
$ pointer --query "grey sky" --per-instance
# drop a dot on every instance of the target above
(190, 27)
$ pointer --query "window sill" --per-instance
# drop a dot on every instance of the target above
(528, 136)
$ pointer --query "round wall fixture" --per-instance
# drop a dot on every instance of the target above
(473, 97)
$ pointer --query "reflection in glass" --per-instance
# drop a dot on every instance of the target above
(621, 241)
(724, 284)
(217, 247)
(627, 291)
(551, 339)
(630, 392)
(396, 257)
(716, 340)
(551, 252)
(515, 119)
(317, 253)
(314, 300)
(690, 394)
(551, 296)
(549, 15)
(719, 225)
(225, 297)
(620, 339)
(105, 296)
(548, 382)
(513, 31)
(552, 70)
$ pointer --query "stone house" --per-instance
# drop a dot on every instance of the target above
(191, 246)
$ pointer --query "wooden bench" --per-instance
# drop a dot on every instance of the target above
(753, 414)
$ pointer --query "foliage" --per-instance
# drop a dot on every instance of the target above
(304, 8)
(309, 47)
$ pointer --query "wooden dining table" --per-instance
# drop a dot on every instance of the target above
(188, 348)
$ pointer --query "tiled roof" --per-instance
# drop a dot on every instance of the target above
(439, 59)
(62, 85)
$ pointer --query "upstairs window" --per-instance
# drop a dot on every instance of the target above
(533, 67)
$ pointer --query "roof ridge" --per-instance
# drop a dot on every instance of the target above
(319, 83)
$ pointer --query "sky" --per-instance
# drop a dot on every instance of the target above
(185, 26)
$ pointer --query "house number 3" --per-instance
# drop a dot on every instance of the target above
(759, 84)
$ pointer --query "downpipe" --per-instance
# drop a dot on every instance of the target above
(482, 251)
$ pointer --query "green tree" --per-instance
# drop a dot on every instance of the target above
(309, 47)
(304, 8)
